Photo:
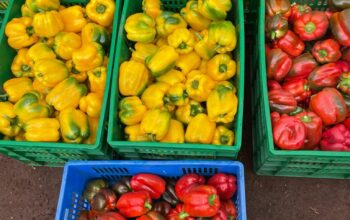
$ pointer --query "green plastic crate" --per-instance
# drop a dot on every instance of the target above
(55, 154)
(267, 159)
(154, 150)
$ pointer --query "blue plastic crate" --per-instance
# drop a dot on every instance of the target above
(77, 174)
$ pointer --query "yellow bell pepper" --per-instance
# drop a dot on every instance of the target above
(65, 43)
(221, 67)
(134, 133)
(192, 16)
(154, 95)
(47, 24)
(222, 103)
(97, 79)
(162, 61)
(176, 133)
(205, 49)
(140, 28)
(50, 72)
(15, 88)
(162, 41)
(95, 33)
(213, 9)
(223, 136)
(66, 94)
(187, 112)
(133, 78)
(101, 11)
(88, 57)
(167, 22)
(199, 86)
(142, 51)
(42, 130)
(40, 51)
(80, 76)
(182, 40)
(203, 67)
(131, 110)
(152, 7)
(8, 120)
(200, 130)
(73, 18)
(93, 125)
(42, 5)
(47, 40)
(74, 125)
(38, 86)
(105, 61)
(188, 62)
(177, 95)
(20, 33)
(222, 34)
(22, 65)
(31, 106)
(156, 123)
(172, 77)
(91, 104)
(26, 11)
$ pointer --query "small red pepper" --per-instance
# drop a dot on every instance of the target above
(336, 139)
(104, 200)
(298, 10)
(110, 216)
(202, 201)
(278, 64)
(299, 88)
(326, 51)
(275, 117)
(151, 183)
(340, 26)
(178, 213)
(346, 54)
(302, 66)
(282, 101)
(134, 204)
(230, 208)
(184, 184)
(225, 185)
(152, 215)
(344, 84)
(276, 27)
(326, 75)
(329, 105)
(289, 133)
(274, 7)
(272, 85)
(291, 44)
(313, 125)
(311, 26)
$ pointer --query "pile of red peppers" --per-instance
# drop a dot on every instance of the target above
(150, 197)
(308, 71)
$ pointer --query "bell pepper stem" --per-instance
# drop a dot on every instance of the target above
(310, 27)
(224, 139)
(195, 84)
(222, 68)
(100, 9)
(148, 205)
(4, 97)
(322, 53)
(211, 199)
(25, 68)
(182, 46)
(198, 35)
(183, 215)
(306, 119)
(30, 30)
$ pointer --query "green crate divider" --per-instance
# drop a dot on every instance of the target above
(267, 159)
(55, 154)
(154, 150)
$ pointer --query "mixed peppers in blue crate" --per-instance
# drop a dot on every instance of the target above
(308, 67)
(150, 197)
(59, 71)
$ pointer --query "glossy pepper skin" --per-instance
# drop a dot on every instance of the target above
(186, 182)
(223, 35)
(47, 24)
(311, 26)
(140, 27)
(336, 139)
(172, 77)
(42, 130)
(278, 64)
(276, 26)
(299, 88)
(329, 105)
(8, 120)
(301, 68)
(162, 208)
(154, 95)
(20, 33)
(131, 110)
(170, 195)
(179, 213)
(142, 51)
(326, 51)
(187, 112)
(122, 186)
(134, 133)
(274, 7)
(188, 62)
(152, 215)
(177, 95)
(193, 17)
(200, 130)
(223, 136)
(93, 125)
(104, 200)
(282, 101)
(224, 184)
(182, 40)
(230, 208)
(344, 84)
(80, 76)
(74, 125)
(313, 125)
(97, 79)
(133, 78)
(73, 18)
(199, 86)
(91, 104)
(167, 22)
(38, 86)
(162, 61)
(340, 27)
(88, 57)
(22, 64)
(50, 72)
(15, 88)
(42, 5)
(202, 201)
(289, 133)
(151, 183)
(221, 67)
(298, 10)
(101, 11)
(326, 75)
(176, 133)
(214, 10)
(273, 85)
(134, 204)
(205, 49)
(222, 103)
(95, 33)
(152, 7)
(156, 123)
(110, 216)
(26, 11)
(41, 51)
(93, 187)
(66, 94)
(291, 44)
(65, 43)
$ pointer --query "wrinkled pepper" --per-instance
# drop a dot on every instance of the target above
(187, 112)
(88, 57)
(326, 51)
(182, 40)
(152, 215)
(156, 123)
(95, 33)
(176, 133)
(151, 183)
(101, 11)
(140, 28)
(340, 26)
(223, 136)
(134, 204)
(20, 33)
(162, 61)
(65, 43)
(42, 5)
(15, 88)
(80, 76)
(154, 95)
(193, 17)
(41, 51)
(167, 22)
(221, 67)
(170, 195)
(93, 125)
(301, 68)
(326, 75)
(278, 64)
(26, 11)
(276, 27)
(223, 35)
(50, 72)
(188, 62)
(336, 139)
(74, 125)
(8, 120)
(152, 7)
(134, 133)
(42, 130)
(214, 10)
(200, 130)
(47, 24)
(104, 200)
(291, 44)
(142, 51)
(179, 213)
(282, 101)
(298, 10)
(199, 86)
(299, 88)
(313, 125)
(177, 95)
(131, 110)
(73, 18)
(91, 104)
(274, 7)
(311, 26)
(225, 185)
(186, 182)
(172, 77)
(97, 79)
(205, 49)
(22, 64)
(133, 78)
(162, 207)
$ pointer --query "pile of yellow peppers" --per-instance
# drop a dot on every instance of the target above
(178, 84)
(60, 71)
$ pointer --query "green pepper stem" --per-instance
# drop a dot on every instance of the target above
(4, 97)
(100, 9)
(211, 199)
(25, 68)
(182, 46)
(183, 215)
(322, 53)
(195, 84)
(30, 30)
(306, 119)
(224, 139)
(148, 205)
(222, 68)
(310, 27)
(198, 35)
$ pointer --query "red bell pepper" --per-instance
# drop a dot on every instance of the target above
(202, 201)
(346, 54)
(274, 7)
(151, 183)
(344, 84)
(343, 65)
(282, 101)
(276, 27)
(326, 51)
(230, 209)
(224, 184)
(152, 215)
(221, 215)
(299, 88)
(340, 26)
(104, 200)
(302, 66)
(134, 204)
(336, 139)
(346, 122)
(278, 64)
(347, 103)
(298, 10)
(291, 44)
(329, 105)
(325, 76)
(311, 26)
(289, 133)
(179, 213)
(110, 216)
(313, 125)
(186, 182)
(272, 85)
(275, 117)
